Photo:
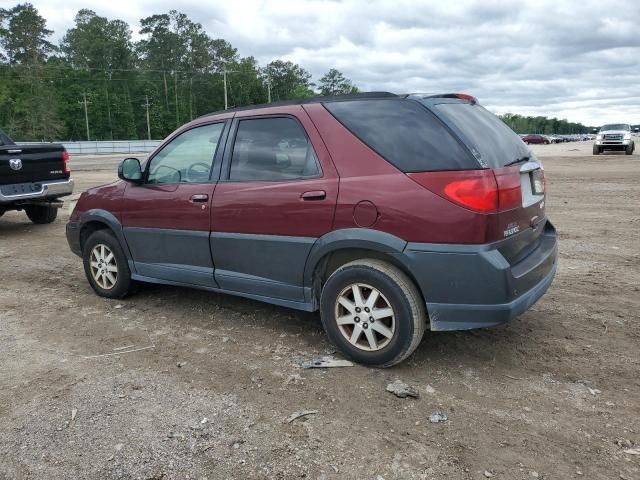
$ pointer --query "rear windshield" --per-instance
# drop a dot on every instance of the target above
(491, 141)
(404, 133)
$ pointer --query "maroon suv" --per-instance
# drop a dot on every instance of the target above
(388, 214)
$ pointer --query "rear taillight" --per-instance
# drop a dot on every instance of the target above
(479, 190)
(509, 188)
(65, 162)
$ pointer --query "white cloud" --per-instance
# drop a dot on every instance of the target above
(575, 60)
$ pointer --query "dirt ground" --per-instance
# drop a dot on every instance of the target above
(177, 383)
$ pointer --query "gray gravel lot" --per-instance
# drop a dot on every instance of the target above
(175, 383)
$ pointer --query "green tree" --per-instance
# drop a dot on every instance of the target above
(23, 35)
(103, 48)
(335, 83)
(288, 80)
(28, 105)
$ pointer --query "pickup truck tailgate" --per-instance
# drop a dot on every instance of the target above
(32, 163)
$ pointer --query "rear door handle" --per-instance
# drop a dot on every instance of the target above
(200, 197)
(314, 195)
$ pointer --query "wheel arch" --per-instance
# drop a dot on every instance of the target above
(339, 247)
(97, 219)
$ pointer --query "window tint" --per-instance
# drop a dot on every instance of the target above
(188, 157)
(272, 149)
(491, 140)
(403, 132)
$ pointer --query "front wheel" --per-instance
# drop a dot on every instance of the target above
(41, 214)
(596, 150)
(373, 312)
(105, 265)
(629, 149)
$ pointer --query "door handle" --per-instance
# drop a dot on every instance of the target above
(314, 195)
(200, 197)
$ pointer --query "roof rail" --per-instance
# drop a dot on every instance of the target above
(302, 101)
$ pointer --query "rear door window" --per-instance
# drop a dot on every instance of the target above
(492, 142)
(404, 133)
(275, 148)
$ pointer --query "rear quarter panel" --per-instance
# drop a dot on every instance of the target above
(404, 208)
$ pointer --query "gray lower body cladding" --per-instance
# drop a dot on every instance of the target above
(475, 286)
(464, 286)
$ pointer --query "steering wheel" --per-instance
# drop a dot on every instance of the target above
(198, 172)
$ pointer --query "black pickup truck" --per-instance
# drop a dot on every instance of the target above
(33, 178)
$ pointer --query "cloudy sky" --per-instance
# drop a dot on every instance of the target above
(576, 60)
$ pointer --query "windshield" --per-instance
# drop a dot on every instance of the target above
(492, 142)
(615, 126)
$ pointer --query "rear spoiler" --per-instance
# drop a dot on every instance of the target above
(461, 96)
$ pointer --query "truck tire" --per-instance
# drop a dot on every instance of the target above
(106, 266)
(629, 149)
(373, 312)
(596, 150)
(41, 214)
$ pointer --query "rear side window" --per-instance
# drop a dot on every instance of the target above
(490, 139)
(272, 149)
(405, 133)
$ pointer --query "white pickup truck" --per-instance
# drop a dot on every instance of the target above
(615, 136)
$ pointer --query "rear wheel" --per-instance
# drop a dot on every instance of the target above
(105, 265)
(373, 312)
(41, 214)
(629, 149)
(596, 150)
(546, 142)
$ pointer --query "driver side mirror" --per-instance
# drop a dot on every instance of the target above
(130, 170)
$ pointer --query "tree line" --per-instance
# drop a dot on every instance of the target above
(543, 125)
(173, 74)
(99, 83)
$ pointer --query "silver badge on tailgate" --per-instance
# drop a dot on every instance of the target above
(15, 163)
(511, 229)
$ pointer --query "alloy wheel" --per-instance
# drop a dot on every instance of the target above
(365, 317)
(104, 268)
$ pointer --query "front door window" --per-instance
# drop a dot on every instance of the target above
(188, 157)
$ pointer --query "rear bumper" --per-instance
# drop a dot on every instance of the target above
(43, 190)
(474, 286)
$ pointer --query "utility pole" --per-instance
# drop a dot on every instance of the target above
(146, 104)
(175, 84)
(224, 74)
(268, 90)
(86, 112)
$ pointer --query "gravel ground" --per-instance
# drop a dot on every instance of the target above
(177, 383)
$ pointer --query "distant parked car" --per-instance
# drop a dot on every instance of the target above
(615, 136)
(363, 207)
(533, 139)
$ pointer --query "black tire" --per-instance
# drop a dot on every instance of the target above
(41, 214)
(596, 150)
(123, 284)
(546, 142)
(629, 149)
(396, 289)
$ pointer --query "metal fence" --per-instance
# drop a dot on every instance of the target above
(114, 146)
